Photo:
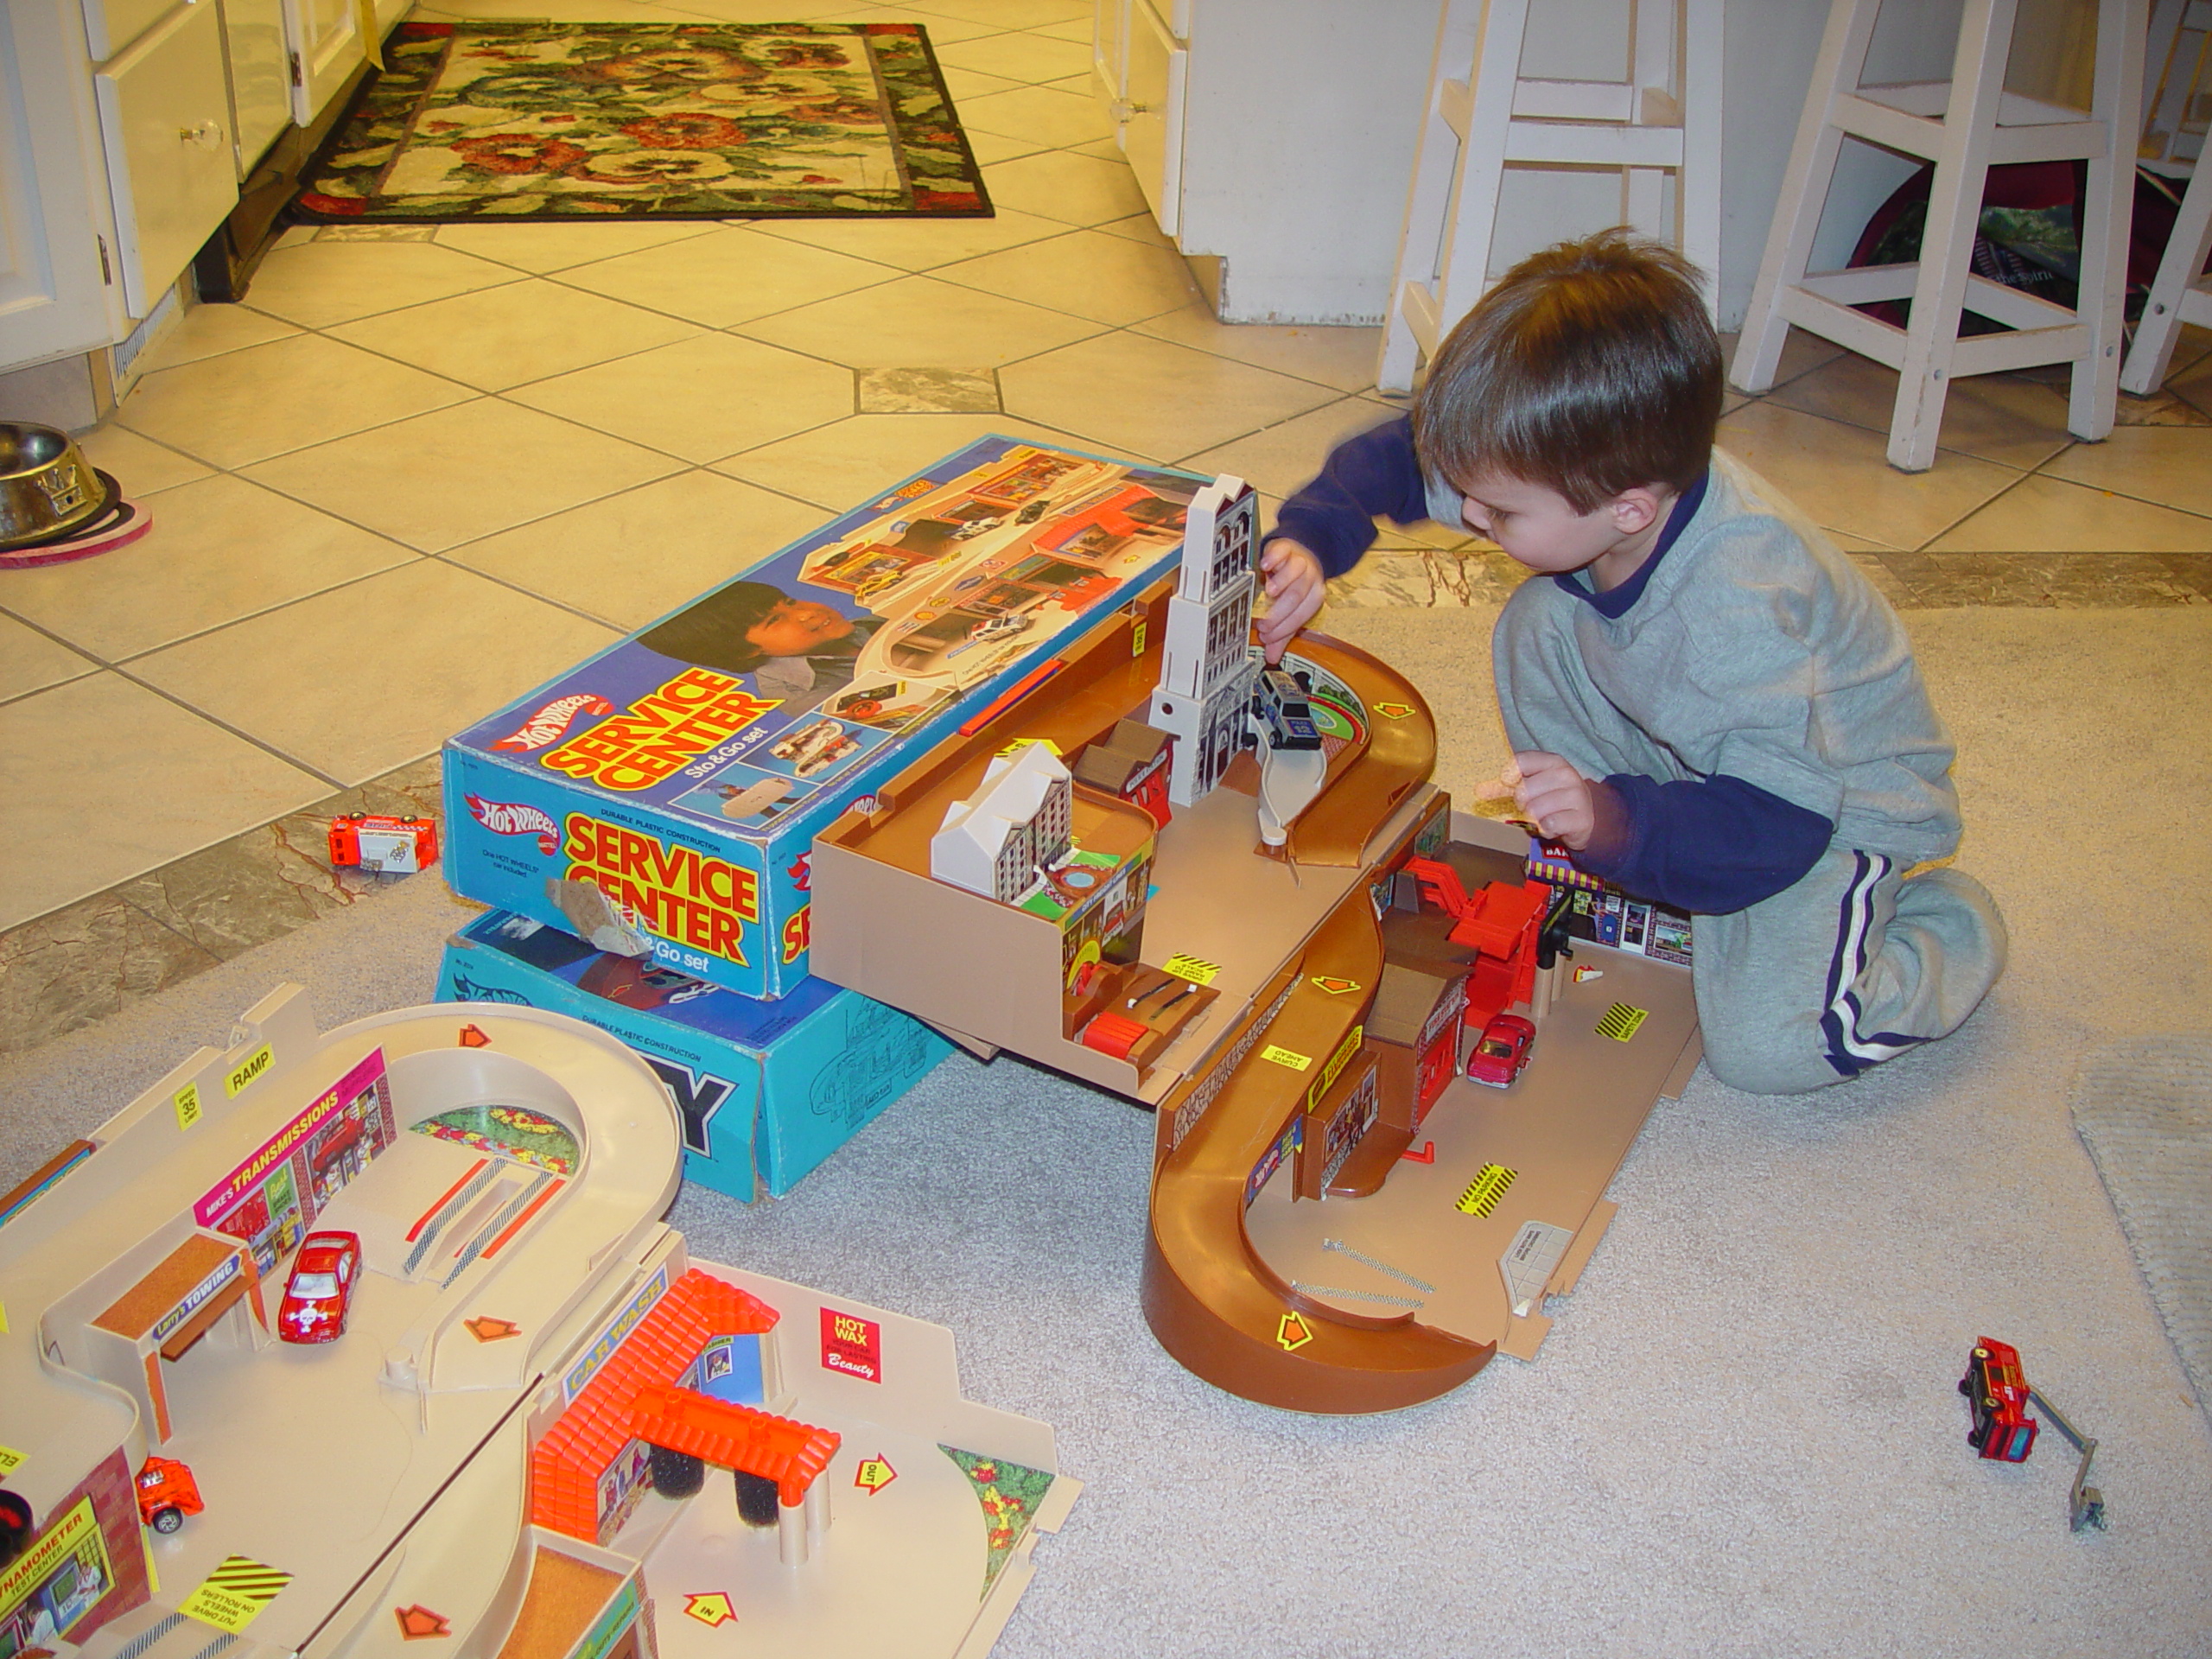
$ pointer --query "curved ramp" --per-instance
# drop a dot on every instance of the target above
(1369, 781)
(1209, 1298)
(1213, 1304)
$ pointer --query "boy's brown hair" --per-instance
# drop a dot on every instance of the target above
(1591, 368)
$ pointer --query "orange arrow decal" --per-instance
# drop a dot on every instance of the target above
(1293, 1332)
(485, 1328)
(874, 1474)
(1394, 710)
(1334, 984)
(710, 1608)
(417, 1622)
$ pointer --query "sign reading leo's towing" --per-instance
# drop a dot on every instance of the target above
(685, 772)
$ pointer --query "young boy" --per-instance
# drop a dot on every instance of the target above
(1707, 703)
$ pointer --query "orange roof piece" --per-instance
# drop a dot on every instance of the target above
(566, 1464)
(1494, 920)
(735, 1437)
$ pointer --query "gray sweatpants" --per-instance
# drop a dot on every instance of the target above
(1851, 965)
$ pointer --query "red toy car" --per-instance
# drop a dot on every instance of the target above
(167, 1493)
(1501, 1051)
(1997, 1393)
(321, 1289)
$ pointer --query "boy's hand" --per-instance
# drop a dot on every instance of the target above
(1556, 797)
(1296, 587)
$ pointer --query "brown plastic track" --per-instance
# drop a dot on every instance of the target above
(1209, 1298)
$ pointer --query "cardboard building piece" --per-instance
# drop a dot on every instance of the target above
(416, 1484)
(686, 770)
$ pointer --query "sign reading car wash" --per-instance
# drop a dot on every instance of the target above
(272, 1200)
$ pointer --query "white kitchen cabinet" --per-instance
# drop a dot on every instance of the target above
(261, 77)
(165, 121)
(55, 297)
(325, 46)
(1274, 135)
(1151, 117)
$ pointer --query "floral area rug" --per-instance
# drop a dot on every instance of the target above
(555, 121)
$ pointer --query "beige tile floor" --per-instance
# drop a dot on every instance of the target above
(423, 469)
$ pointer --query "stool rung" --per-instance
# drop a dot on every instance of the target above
(1572, 144)
(1878, 123)
(1864, 284)
(1575, 100)
(1853, 330)
(2024, 348)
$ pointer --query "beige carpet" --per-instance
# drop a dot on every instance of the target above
(1743, 1437)
(2144, 1108)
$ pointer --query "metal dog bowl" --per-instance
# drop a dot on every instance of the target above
(46, 487)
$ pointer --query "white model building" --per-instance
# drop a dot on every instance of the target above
(1014, 828)
(1206, 680)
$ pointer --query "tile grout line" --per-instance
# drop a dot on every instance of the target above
(114, 890)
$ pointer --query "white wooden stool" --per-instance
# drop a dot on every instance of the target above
(1964, 126)
(2178, 295)
(2181, 44)
(2174, 74)
(1663, 119)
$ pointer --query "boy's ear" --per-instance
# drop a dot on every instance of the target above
(1635, 510)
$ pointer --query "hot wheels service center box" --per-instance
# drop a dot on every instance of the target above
(685, 771)
(767, 1090)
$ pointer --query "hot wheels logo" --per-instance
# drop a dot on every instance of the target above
(549, 723)
(514, 819)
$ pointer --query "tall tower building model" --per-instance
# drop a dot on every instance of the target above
(1205, 683)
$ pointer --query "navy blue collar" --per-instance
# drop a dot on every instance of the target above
(1616, 601)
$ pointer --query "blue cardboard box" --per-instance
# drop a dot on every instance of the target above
(767, 1090)
(684, 771)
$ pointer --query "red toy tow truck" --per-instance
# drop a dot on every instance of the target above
(1997, 1394)
(167, 1493)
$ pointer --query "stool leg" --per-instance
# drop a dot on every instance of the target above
(2117, 101)
(1947, 243)
(1698, 185)
(2153, 351)
(1436, 166)
(1797, 210)
(1453, 258)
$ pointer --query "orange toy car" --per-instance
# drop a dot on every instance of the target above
(167, 1493)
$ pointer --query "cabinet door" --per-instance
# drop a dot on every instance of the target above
(1153, 137)
(54, 295)
(165, 120)
(326, 38)
(261, 80)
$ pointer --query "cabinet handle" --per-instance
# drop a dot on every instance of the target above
(207, 135)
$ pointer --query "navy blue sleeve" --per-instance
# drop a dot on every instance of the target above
(1375, 474)
(1708, 848)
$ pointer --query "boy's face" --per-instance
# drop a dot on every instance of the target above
(1541, 529)
(795, 627)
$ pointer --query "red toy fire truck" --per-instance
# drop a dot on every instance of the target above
(1997, 1394)
(395, 846)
